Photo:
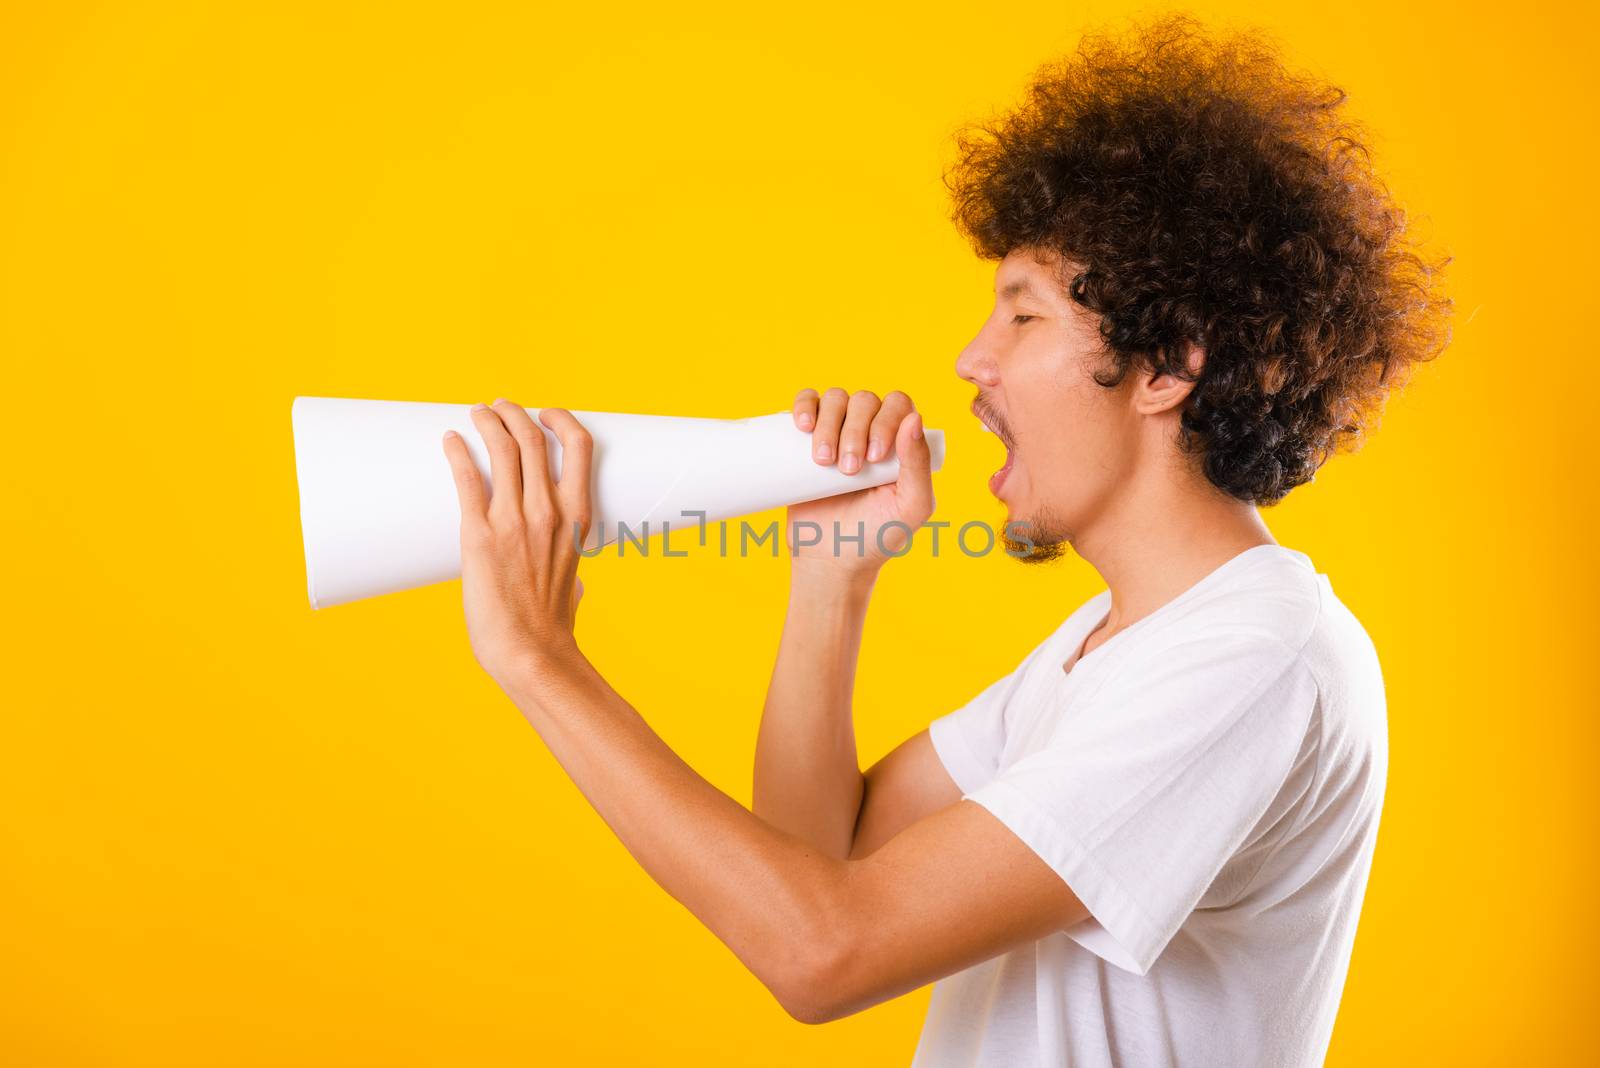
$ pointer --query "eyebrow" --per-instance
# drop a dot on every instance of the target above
(1017, 288)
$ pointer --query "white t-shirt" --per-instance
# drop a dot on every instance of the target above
(1208, 782)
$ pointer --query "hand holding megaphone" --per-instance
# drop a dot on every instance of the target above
(521, 536)
(852, 429)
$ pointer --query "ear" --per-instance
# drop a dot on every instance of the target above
(1157, 393)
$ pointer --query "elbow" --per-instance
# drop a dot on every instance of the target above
(809, 998)
(813, 1015)
(805, 1012)
(813, 987)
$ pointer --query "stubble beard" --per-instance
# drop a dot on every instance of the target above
(1048, 539)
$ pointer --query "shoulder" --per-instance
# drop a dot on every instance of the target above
(1248, 621)
(1269, 594)
(1279, 599)
(1272, 629)
(1262, 628)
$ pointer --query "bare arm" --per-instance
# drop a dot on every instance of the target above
(827, 936)
(909, 783)
(808, 779)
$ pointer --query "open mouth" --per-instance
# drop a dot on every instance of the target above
(994, 426)
(998, 479)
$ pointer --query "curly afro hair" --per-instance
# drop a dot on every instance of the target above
(1197, 191)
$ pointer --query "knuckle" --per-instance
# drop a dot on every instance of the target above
(539, 505)
(543, 522)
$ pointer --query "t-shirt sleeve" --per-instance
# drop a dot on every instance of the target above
(969, 741)
(1152, 782)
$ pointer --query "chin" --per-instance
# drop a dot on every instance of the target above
(1046, 536)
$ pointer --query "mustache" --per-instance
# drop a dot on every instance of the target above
(986, 412)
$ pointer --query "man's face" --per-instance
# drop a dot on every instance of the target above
(1070, 441)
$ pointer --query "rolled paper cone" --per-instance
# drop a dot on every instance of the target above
(379, 512)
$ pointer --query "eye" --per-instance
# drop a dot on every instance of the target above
(1020, 319)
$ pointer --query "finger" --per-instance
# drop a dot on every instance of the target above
(577, 458)
(505, 464)
(880, 438)
(864, 404)
(914, 486)
(805, 409)
(830, 414)
(469, 480)
(538, 497)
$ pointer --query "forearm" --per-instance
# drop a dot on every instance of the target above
(808, 780)
(792, 912)
(772, 899)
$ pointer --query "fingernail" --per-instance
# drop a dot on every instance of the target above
(849, 462)
(448, 434)
(480, 407)
(916, 428)
(498, 400)
(824, 451)
(805, 422)
(874, 451)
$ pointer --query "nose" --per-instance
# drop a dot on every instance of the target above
(976, 364)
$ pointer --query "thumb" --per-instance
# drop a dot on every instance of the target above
(914, 488)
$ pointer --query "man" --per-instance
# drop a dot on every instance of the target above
(1148, 844)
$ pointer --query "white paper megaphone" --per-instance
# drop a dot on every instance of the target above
(378, 509)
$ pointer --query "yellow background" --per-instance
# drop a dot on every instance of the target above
(237, 832)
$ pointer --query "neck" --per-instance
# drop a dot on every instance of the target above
(1165, 530)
